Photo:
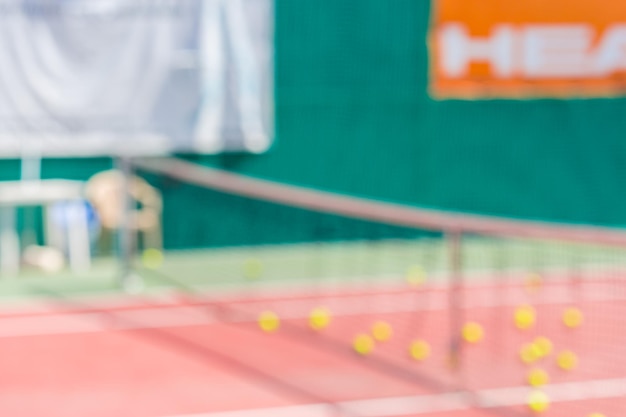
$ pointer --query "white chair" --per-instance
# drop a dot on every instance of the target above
(105, 191)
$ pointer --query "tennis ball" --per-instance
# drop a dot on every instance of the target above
(572, 317)
(472, 332)
(415, 276)
(269, 321)
(382, 331)
(529, 353)
(252, 268)
(533, 282)
(152, 258)
(538, 401)
(543, 345)
(596, 415)
(454, 359)
(363, 344)
(537, 377)
(419, 350)
(567, 360)
(319, 318)
(524, 317)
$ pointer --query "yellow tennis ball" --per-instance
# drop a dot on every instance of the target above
(572, 317)
(538, 401)
(596, 415)
(567, 360)
(454, 359)
(252, 268)
(537, 377)
(363, 344)
(544, 346)
(529, 353)
(319, 318)
(473, 332)
(152, 258)
(415, 276)
(524, 317)
(533, 282)
(419, 350)
(382, 331)
(269, 321)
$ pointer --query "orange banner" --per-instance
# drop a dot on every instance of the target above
(527, 48)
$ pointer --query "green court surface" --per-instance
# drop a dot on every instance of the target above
(323, 264)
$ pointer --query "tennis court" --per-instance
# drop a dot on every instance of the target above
(182, 354)
(426, 325)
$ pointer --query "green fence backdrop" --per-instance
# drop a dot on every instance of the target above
(353, 116)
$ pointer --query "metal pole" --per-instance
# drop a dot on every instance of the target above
(30, 173)
(129, 280)
(455, 307)
(9, 242)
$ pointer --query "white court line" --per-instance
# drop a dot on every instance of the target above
(312, 410)
(165, 315)
(94, 322)
(428, 404)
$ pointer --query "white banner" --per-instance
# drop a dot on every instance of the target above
(107, 77)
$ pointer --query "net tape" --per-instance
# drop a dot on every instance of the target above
(371, 210)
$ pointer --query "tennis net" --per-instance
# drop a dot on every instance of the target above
(497, 315)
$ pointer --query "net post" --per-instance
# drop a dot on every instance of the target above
(455, 299)
(128, 279)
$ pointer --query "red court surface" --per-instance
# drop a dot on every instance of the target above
(183, 358)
